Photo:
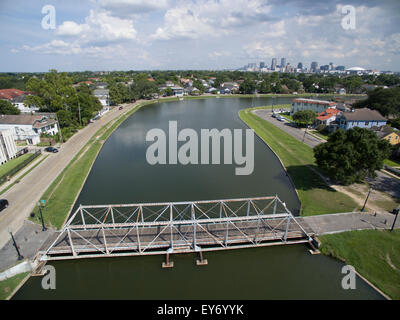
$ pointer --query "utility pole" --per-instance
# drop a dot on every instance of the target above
(59, 130)
(20, 256)
(366, 200)
(41, 216)
(305, 132)
(79, 107)
(396, 213)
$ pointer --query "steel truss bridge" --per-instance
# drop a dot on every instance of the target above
(179, 227)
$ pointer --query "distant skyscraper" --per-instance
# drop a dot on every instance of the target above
(314, 66)
(273, 64)
(262, 65)
(300, 66)
(283, 64)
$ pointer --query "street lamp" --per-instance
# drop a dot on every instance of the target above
(396, 213)
(366, 200)
(41, 216)
(20, 256)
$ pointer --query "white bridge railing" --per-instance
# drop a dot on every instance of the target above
(175, 227)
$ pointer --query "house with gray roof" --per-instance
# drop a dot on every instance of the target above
(361, 118)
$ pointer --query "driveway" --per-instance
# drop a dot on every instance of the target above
(25, 195)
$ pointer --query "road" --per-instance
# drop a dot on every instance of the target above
(25, 195)
(287, 127)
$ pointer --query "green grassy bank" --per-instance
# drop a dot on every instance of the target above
(375, 255)
(8, 166)
(62, 193)
(8, 286)
(298, 158)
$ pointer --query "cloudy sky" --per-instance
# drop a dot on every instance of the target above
(196, 34)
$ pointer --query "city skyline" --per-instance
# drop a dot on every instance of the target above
(176, 35)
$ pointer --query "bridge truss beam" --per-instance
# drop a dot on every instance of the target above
(176, 227)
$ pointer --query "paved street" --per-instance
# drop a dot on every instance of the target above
(287, 127)
(25, 195)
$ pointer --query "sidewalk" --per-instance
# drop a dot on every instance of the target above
(342, 222)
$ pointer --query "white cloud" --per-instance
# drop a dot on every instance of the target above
(69, 28)
(275, 30)
(99, 26)
(100, 30)
(210, 18)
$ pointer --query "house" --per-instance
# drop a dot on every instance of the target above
(193, 91)
(178, 91)
(229, 87)
(362, 118)
(8, 148)
(389, 134)
(17, 98)
(101, 85)
(317, 106)
(19, 102)
(103, 95)
(27, 127)
(328, 116)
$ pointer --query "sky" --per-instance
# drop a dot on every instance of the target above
(196, 34)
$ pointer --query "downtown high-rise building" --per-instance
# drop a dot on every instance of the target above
(283, 64)
(314, 66)
(273, 64)
(300, 66)
(262, 65)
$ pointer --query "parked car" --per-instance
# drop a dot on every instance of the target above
(3, 204)
(51, 149)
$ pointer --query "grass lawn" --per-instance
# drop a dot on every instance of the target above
(61, 194)
(375, 255)
(287, 116)
(319, 134)
(392, 163)
(13, 163)
(298, 158)
(9, 285)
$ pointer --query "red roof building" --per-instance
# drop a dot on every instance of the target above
(328, 116)
(9, 94)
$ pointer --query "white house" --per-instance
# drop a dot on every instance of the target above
(317, 106)
(103, 95)
(26, 127)
(19, 103)
(8, 148)
(362, 118)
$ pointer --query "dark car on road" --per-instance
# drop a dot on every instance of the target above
(51, 149)
(3, 204)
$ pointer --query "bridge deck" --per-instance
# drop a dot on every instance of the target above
(135, 240)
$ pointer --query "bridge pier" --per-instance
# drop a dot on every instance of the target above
(167, 263)
(201, 262)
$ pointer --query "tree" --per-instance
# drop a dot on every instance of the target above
(386, 101)
(6, 107)
(199, 85)
(142, 88)
(305, 117)
(119, 93)
(351, 156)
(247, 87)
(55, 93)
